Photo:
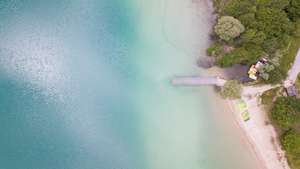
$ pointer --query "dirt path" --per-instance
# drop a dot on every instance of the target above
(293, 72)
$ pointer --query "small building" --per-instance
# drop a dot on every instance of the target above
(291, 90)
(253, 71)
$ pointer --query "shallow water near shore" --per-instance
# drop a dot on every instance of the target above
(85, 85)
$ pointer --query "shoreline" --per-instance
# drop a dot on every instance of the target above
(250, 140)
(261, 135)
(258, 132)
(259, 153)
(261, 139)
(245, 134)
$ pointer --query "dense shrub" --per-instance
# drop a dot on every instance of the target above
(216, 49)
(232, 90)
(291, 144)
(286, 112)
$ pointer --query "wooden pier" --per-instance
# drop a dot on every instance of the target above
(198, 81)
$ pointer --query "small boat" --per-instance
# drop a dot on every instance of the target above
(246, 116)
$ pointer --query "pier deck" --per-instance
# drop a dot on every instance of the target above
(198, 81)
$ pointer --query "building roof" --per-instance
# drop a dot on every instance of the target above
(252, 72)
(291, 91)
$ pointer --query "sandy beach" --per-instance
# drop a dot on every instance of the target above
(261, 135)
(258, 131)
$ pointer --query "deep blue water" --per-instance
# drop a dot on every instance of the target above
(64, 96)
(84, 84)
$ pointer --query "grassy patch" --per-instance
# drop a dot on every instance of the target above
(290, 53)
(268, 96)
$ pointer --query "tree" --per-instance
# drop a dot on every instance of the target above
(286, 112)
(228, 28)
(232, 89)
(274, 22)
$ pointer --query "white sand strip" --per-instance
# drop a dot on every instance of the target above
(261, 135)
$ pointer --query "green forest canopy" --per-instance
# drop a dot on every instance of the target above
(286, 114)
(270, 26)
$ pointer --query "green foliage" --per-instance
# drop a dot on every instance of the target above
(289, 54)
(228, 28)
(233, 57)
(247, 19)
(268, 68)
(238, 7)
(291, 144)
(265, 70)
(294, 10)
(276, 57)
(219, 4)
(247, 54)
(286, 112)
(297, 27)
(268, 96)
(270, 26)
(253, 36)
(232, 90)
(255, 52)
(265, 76)
(275, 76)
(278, 4)
(270, 45)
(274, 22)
(272, 30)
(216, 49)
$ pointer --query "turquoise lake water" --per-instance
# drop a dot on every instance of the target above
(84, 84)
